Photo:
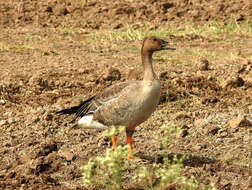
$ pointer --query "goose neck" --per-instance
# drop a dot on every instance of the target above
(149, 73)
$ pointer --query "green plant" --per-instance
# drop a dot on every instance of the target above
(106, 172)
(168, 174)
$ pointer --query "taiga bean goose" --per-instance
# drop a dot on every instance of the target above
(124, 104)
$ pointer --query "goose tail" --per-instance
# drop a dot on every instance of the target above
(75, 109)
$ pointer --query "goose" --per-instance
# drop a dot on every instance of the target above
(127, 103)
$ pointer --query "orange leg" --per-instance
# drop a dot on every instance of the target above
(129, 141)
(114, 142)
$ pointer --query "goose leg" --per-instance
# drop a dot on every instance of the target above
(114, 142)
(129, 141)
(129, 134)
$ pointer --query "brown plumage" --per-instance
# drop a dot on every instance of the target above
(124, 104)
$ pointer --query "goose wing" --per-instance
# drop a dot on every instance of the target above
(90, 105)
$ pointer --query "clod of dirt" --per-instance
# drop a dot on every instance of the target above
(181, 115)
(181, 134)
(197, 147)
(2, 122)
(69, 156)
(209, 99)
(47, 148)
(204, 65)
(243, 67)
(233, 82)
(211, 130)
(2, 101)
(240, 122)
(112, 74)
(199, 123)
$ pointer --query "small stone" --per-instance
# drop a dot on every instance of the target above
(211, 130)
(118, 25)
(11, 120)
(240, 68)
(239, 122)
(181, 115)
(196, 147)
(49, 117)
(246, 62)
(204, 65)
(214, 179)
(223, 134)
(25, 158)
(2, 102)
(199, 123)
(2, 122)
(81, 70)
(112, 74)
(183, 133)
(224, 182)
(233, 82)
(67, 155)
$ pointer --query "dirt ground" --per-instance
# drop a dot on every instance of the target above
(46, 64)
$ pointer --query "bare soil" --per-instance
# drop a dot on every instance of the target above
(44, 68)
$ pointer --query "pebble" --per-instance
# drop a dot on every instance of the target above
(2, 101)
(199, 123)
(204, 65)
(183, 133)
(196, 147)
(181, 115)
(11, 120)
(2, 122)
(211, 130)
(239, 122)
(233, 82)
(67, 155)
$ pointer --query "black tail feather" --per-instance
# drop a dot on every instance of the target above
(75, 109)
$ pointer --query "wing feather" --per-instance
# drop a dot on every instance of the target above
(92, 104)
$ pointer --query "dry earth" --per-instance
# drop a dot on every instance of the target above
(50, 60)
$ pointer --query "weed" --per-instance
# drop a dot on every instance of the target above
(106, 172)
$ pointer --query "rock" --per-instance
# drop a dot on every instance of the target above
(199, 123)
(11, 120)
(182, 133)
(117, 26)
(240, 68)
(69, 156)
(225, 182)
(222, 134)
(181, 115)
(214, 179)
(211, 130)
(239, 122)
(81, 70)
(49, 117)
(196, 147)
(2, 102)
(204, 65)
(233, 82)
(112, 74)
(2, 122)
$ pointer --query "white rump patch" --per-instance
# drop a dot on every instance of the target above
(87, 122)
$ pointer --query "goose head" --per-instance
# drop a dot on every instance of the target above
(153, 43)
